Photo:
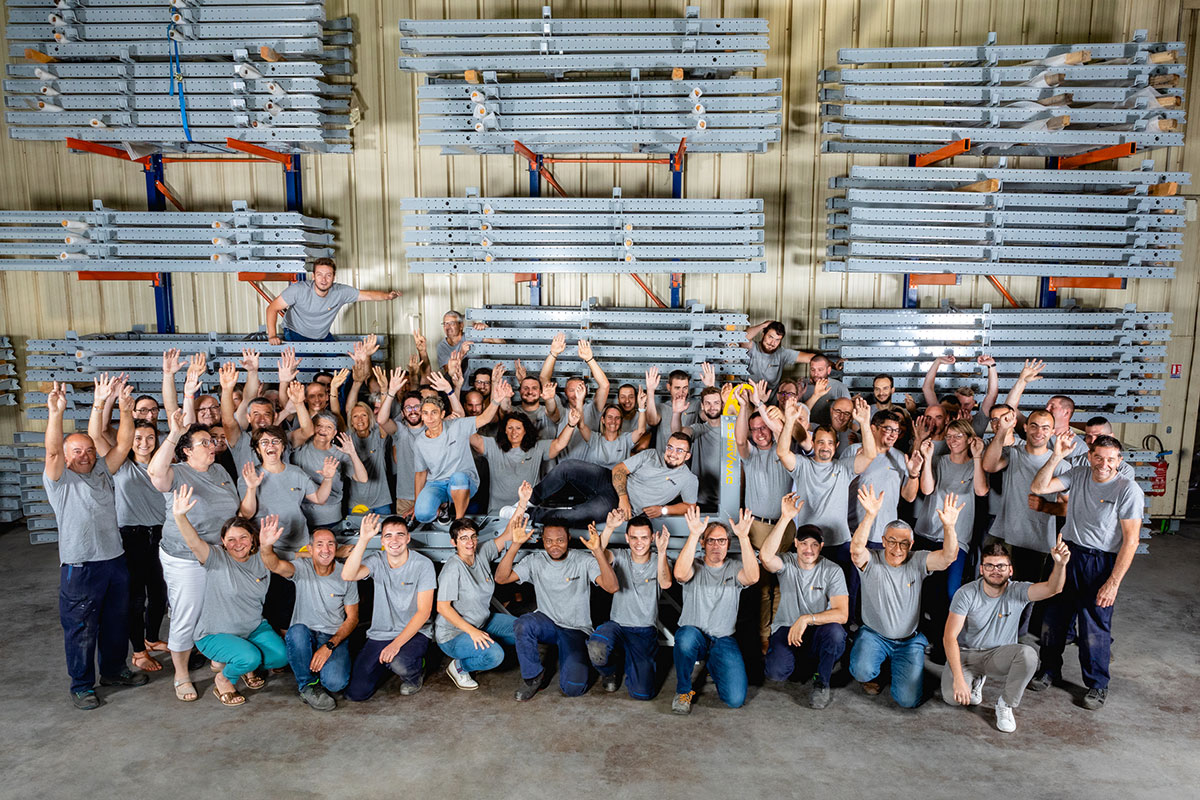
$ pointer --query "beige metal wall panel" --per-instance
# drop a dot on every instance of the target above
(360, 191)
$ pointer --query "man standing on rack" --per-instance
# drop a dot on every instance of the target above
(768, 357)
(310, 307)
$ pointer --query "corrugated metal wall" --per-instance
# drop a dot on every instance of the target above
(359, 191)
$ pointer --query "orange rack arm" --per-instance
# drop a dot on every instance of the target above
(942, 153)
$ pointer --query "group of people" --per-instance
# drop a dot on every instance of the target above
(862, 522)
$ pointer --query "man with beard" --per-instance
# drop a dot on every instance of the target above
(539, 402)
(631, 626)
(822, 390)
(240, 421)
(678, 387)
(325, 614)
(648, 484)
(561, 578)
(977, 413)
(981, 632)
(312, 306)
(768, 357)
(1104, 520)
(403, 428)
(708, 445)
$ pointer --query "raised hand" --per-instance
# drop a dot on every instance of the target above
(791, 411)
(330, 467)
(343, 443)
(741, 528)
(573, 417)
(414, 364)
(183, 500)
(227, 375)
(103, 387)
(861, 412)
(940, 360)
(170, 361)
(269, 530)
(125, 398)
(339, 378)
(295, 393)
(584, 348)
(370, 526)
(821, 387)
(926, 448)
(497, 374)
(914, 463)
(872, 503)
(759, 393)
(502, 391)
(986, 360)
(249, 360)
(976, 447)
(1063, 445)
(289, 366)
(949, 511)
(613, 519)
(726, 390)
(1060, 553)
(1005, 423)
(592, 541)
(548, 391)
(524, 492)
(198, 364)
(662, 540)
(519, 371)
(420, 342)
(920, 428)
(370, 345)
(521, 530)
(175, 421)
(558, 344)
(438, 381)
(479, 326)
(679, 405)
(396, 381)
(695, 525)
(790, 506)
(252, 476)
(708, 376)
(643, 397)
(1032, 371)
(652, 379)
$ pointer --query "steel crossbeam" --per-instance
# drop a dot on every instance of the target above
(907, 177)
(992, 53)
(984, 95)
(986, 75)
(916, 266)
(891, 197)
(1000, 136)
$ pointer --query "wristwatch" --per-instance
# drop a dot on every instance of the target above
(330, 645)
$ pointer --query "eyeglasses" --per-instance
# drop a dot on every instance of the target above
(890, 429)
(996, 567)
(681, 450)
(711, 540)
(785, 394)
(204, 443)
(414, 407)
(837, 413)
(268, 440)
(955, 436)
(468, 537)
(901, 543)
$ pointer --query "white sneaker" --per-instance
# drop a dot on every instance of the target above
(977, 690)
(1004, 716)
(507, 512)
(462, 679)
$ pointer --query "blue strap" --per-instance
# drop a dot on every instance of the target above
(177, 77)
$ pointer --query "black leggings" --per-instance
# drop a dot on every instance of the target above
(147, 590)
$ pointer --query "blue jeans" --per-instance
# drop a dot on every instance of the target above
(573, 671)
(434, 493)
(641, 650)
(382, 511)
(301, 643)
(724, 659)
(368, 673)
(908, 663)
(93, 605)
(1087, 571)
(462, 649)
(262, 648)
(290, 335)
(823, 644)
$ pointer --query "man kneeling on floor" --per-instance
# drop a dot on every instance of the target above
(814, 604)
(981, 632)
(325, 614)
(891, 598)
(561, 578)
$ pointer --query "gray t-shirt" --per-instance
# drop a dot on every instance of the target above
(887, 473)
(85, 507)
(767, 481)
(468, 588)
(1016, 522)
(955, 479)
(445, 350)
(283, 493)
(820, 412)
(1095, 510)
(546, 427)
(372, 451)
(769, 367)
(652, 483)
(311, 459)
(311, 315)
(825, 490)
(507, 471)
(663, 429)
(234, 593)
(990, 621)
(891, 596)
(711, 597)
(242, 452)
(138, 502)
(577, 447)
(448, 453)
(806, 591)
(402, 452)
(635, 605)
(216, 499)
(396, 592)
(708, 450)
(604, 453)
(321, 600)
(563, 587)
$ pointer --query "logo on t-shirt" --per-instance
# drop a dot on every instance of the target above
(571, 578)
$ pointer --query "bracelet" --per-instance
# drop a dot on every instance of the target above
(641, 409)
(912, 477)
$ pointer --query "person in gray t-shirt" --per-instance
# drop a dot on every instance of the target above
(325, 614)
(891, 598)
(402, 425)
(814, 605)
(712, 588)
(981, 632)
(822, 390)
(281, 489)
(1104, 521)
(648, 483)
(708, 442)
(444, 470)
(93, 580)
(515, 455)
(768, 357)
(561, 578)
(310, 307)
(231, 630)
(631, 627)
(401, 619)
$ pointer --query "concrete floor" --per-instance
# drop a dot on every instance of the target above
(444, 742)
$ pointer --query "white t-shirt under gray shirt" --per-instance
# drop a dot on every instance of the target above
(85, 507)
(321, 600)
(1095, 510)
(563, 587)
(990, 621)
(711, 597)
(396, 594)
(891, 596)
(806, 591)
(311, 315)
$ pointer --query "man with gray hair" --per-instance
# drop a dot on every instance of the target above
(891, 598)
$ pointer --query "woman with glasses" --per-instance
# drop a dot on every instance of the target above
(216, 500)
(314, 456)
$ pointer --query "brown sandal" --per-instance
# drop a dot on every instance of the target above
(253, 681)
(185, 691)
(145, 662)
(228, 698)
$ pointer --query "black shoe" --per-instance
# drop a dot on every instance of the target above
(409, 688)
(445, 516)
(1041, 682)
(821, 696)
(85, 700)
(1094, 699)
(610, 683)
(196, 660)
(125, 677)
(529, 688)
(317, 698)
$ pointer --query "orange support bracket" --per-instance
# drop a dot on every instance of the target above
(534, 163)
(936, 279)
(677, 159)
(254, 277)
(524, 277)
(166, 192)
(1093, 156)
(1086, 283)
(262, 152)
(94, 275)
(103, 150)
(942, 153)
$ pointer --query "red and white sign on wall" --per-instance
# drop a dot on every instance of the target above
(1177, 370)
